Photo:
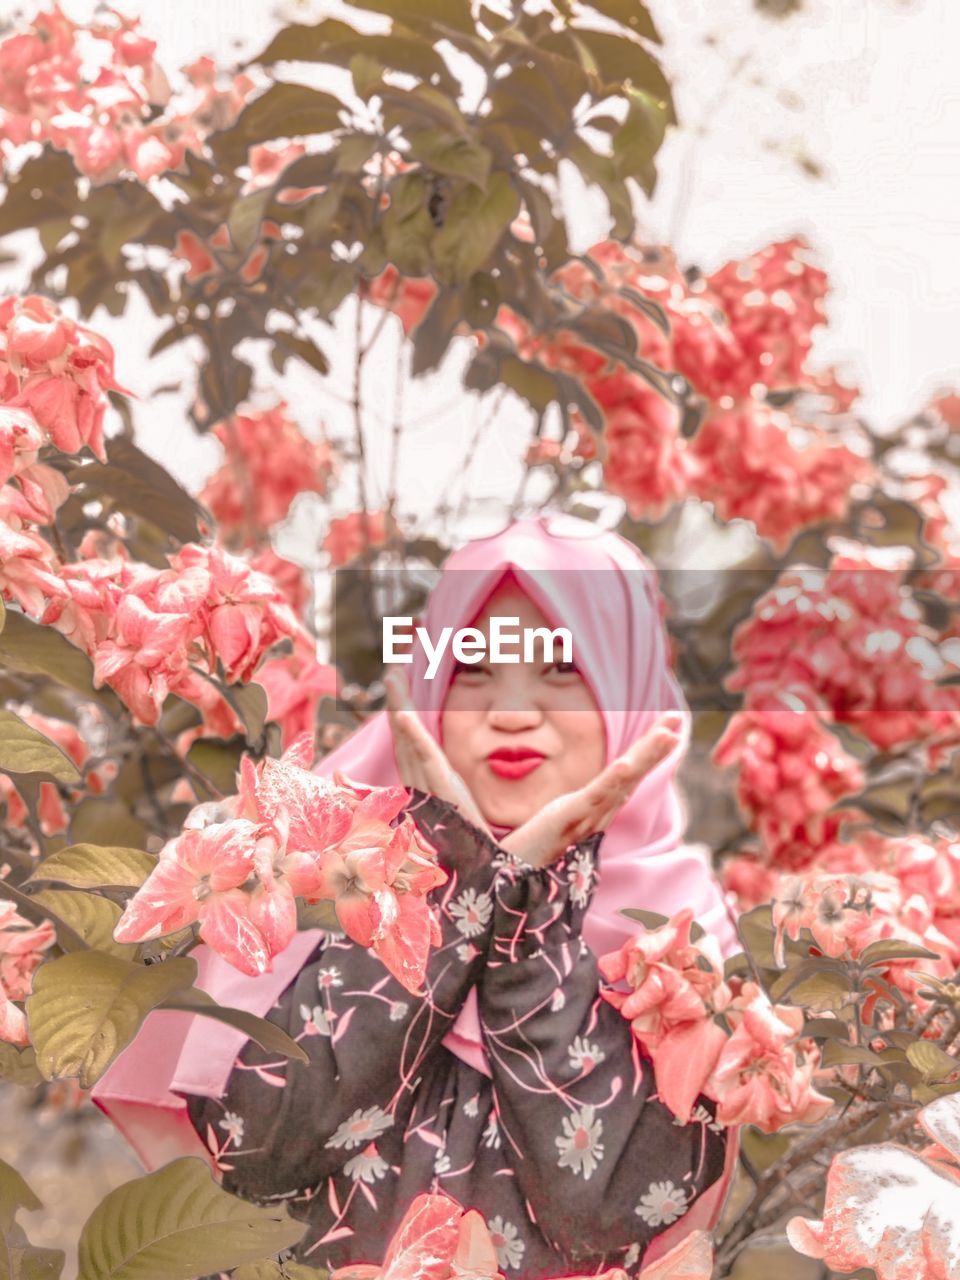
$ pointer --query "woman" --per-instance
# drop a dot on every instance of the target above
(510, 1083)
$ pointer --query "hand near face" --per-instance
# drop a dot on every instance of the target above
(420, 758)
(563, 821)
(573, 817)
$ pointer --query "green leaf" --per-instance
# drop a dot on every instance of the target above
(835, 1054)
(271, 1270)
(19, 1066)
(474, 225)
(353, 151)
(267, 1034)
(337, 43)
(413, 108)
(889, 949)
(424, 13)
(24, 749)
(246, 216)
(219, 761)
(100, 819)
(290, 345)
(93, 917)
(931, 1060)
(638, 140)
(127, 224)
(653, 920)
(284, 111)
(141, 486)
(3, 614)
(827, 1028)
(631, 13)
(176, 1224)
(91, 866)
(618, 60)
(763, 1149)
(602, 171)
(36, 650)
(432, 335)
(19, 1260)
(87, 1006)
(444, 151)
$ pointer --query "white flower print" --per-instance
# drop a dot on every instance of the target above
(329, 977)
(232, 1124)
(368, 1166)
(466, 952)
(471, 1107)
(398, 1010)
(360, 1128)
(507, 1242)
(472, 912)
(580, 1147)
(442, 1163)
(583, 1055)
(631, 1257)
(702, 1116)
(558, 1001)
(580, 877)
(664, 1203)
(315, 1021)
(491, 1134)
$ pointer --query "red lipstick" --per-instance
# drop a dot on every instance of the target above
(514, 762)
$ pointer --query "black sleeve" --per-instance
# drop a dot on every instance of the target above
(283, 1126)
(602, 1162)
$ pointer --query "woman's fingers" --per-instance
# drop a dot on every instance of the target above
(420, 758)
(576, 816)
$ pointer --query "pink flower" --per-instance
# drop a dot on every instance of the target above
(791, 771)
(22, 947)
(890, 1209)
(756, 463)
(349, 536)
(147, 651)
(437, 1239)
(406, 296)
(764, 1072)
(645, 455)
(199, 878)
(676, 988)
(295, 685)
(240, 614)
(21, 438)
(268, 161)
(269, 462)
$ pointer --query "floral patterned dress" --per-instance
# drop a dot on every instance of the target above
(567, 1151)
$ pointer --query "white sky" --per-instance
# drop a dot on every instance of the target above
(879, 109)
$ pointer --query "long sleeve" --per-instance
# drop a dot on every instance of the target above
(601, 1161)
(282, 1126)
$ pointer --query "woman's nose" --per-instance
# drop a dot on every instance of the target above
(513, 717)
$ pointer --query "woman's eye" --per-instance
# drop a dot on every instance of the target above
(565, 668)
(469, 669)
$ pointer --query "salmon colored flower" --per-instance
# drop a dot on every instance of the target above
(198, 879)
(22, 947)
(349, 536)
(764, 1072)
(890, 1209)
(144, 656)
(676, 986)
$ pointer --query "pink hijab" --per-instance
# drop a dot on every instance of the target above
(603, 589)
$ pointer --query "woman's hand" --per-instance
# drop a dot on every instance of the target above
(574, 817)
(420, 758)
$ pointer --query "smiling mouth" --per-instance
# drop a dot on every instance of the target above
(514, 762)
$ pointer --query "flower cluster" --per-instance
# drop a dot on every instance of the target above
(237, 873)
(268, 462)
(438, 1238)
(96, 91)
(740, 1050)
(791, 770)
(22, 947)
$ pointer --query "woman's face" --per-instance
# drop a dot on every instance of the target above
(520, 734)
